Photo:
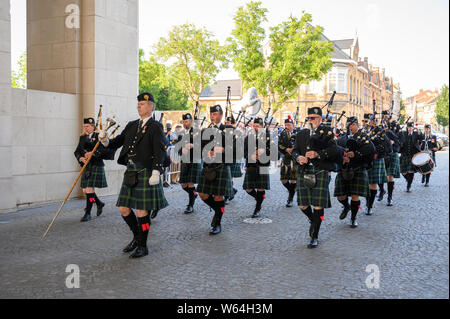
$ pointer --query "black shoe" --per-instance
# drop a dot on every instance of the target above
(369, 211)
(226, 201)
(256, 213)
(131, 246)
(189, 210)
(344, 213)
(139, 252)
(165, 184)
(380, 197)
(86, 217)
(389, 202)
(215, 230)
(100, 208)
(313, 243)
(289, 203)
(408, 189)
(426, 185)
(154, 214)
(354, 224)
(234, 191)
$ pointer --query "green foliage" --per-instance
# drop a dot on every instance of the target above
(402, 118)
(154, 78)
(195, 58)
(19, 74)
(297, 54)
(246, 42)
(442, 107)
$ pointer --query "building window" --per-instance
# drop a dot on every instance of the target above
(337, 80)
(315, 87)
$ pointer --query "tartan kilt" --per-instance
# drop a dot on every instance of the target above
(258, 181)
(286, 172)
(236, 170)
(406, 164)
(142, 196)
(377, 174)
(359, 185)
(93, 176)
(392, 163)
(190, 173)
(317, 196)
(221, 186)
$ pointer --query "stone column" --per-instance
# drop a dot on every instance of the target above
(7, 202)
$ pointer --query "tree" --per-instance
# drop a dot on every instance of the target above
(296, 54)
(246, 42)
(19, 74)
(402, 118)
(153, 78)
(195, 55)
(442, 107)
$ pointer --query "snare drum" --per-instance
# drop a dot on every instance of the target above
(423, 162)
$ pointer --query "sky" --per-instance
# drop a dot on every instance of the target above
(409, 38)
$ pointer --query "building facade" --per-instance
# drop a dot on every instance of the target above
(421, 107)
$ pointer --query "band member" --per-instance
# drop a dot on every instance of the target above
(377, 174)
(428, 144)
(94, 174)
(316, 152)
(257, 179)
(215, 179)
(365, 121)
(190, 171)
(142, 143)
(410, 146)
(352, 180)
(235, 167)
(289, 168)
(392, 161)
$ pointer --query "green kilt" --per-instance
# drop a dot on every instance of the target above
(377, 174)
(256, 181)
(406, 164)
(317, 196)
(289, 169)
(359, 185)
(221, 186)
(93, 176)
(190, 173)
(142, 196)
(236, 170)
(392, 163)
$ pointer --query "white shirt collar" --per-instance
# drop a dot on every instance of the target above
(144, 121)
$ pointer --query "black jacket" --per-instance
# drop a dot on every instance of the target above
(86, 144)
(249, 152)
(145, 147)
(394, 137)
(428, 142)
(219, 158)
(323, 142)
(410, 143)
(363, 148)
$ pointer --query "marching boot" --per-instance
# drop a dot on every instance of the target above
(313, 243)
(90, 200)
(100, 205)
(260, 196)
(346, 209)
(410, 180)
(355, 209)
(317, 217)
(427, 177)
(373, 193)
(308, 212)
(144, 228)
(154, 213)
(391, 186)
(382, 192)
(292, 189)
(423, 179)
(192, 197)
(132, 222)
(219, 210)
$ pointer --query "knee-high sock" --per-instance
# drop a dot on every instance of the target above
(132, 222)
(318, 217)
(186, 189)
(391, 186)
(345, 203)
(253, 194)
(406, 177)
(287, 185)
(97, 200)
(260, 196)
(373, 193)
(219, 210)
(292, 189)
(355, 208)
(381, 186)
(210, 202)
(427, 177)
(192, 195)
(144, 227)
(90, 200)
(308, 212)
(410, 179)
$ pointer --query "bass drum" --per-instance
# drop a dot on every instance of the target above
(423, 162)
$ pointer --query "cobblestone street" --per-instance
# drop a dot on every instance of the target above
(408, 242)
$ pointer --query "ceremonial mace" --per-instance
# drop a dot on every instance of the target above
(109, 123)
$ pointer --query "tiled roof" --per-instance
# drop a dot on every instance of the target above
(344, 44)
